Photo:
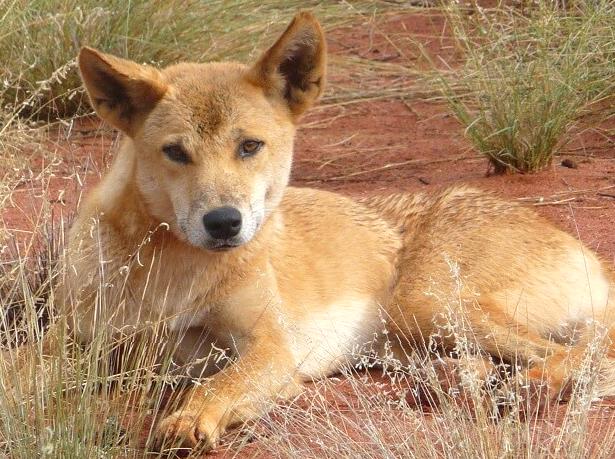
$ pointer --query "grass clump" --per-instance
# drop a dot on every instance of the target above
(529, 76)
(40, 39)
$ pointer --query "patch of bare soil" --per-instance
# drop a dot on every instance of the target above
(380, 146)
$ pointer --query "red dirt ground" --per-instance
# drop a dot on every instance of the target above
(380, 146)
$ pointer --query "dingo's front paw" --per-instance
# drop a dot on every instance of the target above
(185, 429)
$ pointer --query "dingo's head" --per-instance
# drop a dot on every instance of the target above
(213, 142)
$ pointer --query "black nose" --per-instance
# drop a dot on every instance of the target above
(223, 222)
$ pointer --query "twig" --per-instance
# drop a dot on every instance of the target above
(566, 193)
(384, 167)
(410, 108)
(555, 203)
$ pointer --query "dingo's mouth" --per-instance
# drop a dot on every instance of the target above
(223, 247)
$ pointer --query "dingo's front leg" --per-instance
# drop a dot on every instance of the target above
(241, 391)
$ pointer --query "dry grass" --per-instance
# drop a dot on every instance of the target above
(69, 402)
(40, 39)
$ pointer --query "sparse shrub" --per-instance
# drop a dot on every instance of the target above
(529, 75)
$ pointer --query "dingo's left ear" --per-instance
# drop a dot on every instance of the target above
(122, 92)
(294, 67)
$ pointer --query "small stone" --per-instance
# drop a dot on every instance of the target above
(424, 181)
(569, 163)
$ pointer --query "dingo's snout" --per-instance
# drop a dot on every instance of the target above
(223, 223)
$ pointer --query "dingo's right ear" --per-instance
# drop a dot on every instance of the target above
(122, 92)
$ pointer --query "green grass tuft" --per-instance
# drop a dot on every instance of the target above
(529, 76)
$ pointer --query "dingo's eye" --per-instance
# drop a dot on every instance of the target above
(249, 148)
(175, 152)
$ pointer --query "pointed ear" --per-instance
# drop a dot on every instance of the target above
(294, 67)
(122, 92)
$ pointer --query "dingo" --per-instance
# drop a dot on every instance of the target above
(290, 279)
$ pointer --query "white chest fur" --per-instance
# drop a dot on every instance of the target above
(324, 339)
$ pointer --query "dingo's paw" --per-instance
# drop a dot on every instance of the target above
(185, 429)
